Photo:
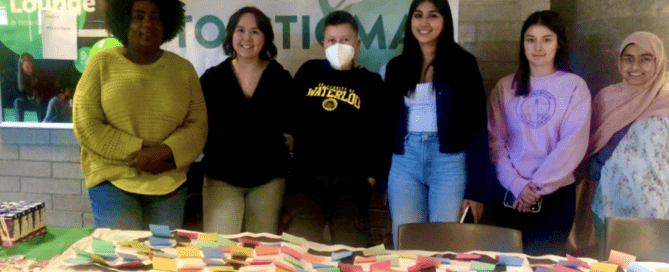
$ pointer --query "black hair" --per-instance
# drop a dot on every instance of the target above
(23, 78)
(264, 25)
(447, 48)
(551, 20)
(341, 17)
(172, 14)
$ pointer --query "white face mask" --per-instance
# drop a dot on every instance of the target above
(340, 55)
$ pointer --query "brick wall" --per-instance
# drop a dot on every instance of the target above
(490, 30)
(43, 165)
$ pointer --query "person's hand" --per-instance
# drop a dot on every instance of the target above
(154, 159)
(527, 198)
(476, 208)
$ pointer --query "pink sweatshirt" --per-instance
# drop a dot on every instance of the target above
(540, 138)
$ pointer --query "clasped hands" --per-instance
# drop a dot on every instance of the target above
(153, 158)
(527, 198)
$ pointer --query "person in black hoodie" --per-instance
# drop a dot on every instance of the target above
(246, 158)
(336, 129)
(440, 151)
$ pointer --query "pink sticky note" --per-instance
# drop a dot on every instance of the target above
(189, 234)
(565, 269)
(350, 268)
(380, 265)
(620, 258)
(465, 256)
(313, 258)
(291, 252)
(249, 241)
(572, 258)
(359, 259)
(267, 250)
(260, 262)
(427, 262)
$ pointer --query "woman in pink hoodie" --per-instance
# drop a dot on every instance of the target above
(538, 125)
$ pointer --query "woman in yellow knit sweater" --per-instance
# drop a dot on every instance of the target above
(140, 117)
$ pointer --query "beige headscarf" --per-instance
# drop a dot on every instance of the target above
(619, 105)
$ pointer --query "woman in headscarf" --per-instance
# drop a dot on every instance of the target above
(629, 140)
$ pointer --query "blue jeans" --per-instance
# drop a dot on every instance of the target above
(118, 209)
(425, 185)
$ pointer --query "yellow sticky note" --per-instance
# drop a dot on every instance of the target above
(98, 259)
(212, 237)
(141, 248)
(403, 256)
(662, 269)
(603, 267)
(125, 243)
(620, 258)
(164, 264)
(244, 251)
(188, 252)
(226, 268)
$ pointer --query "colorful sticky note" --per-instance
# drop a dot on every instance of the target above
(190, 234)
(164, 264)
(293, 261)
(603, 267)
(213, 237)
(214, 253)
(226, 242)
(188, 252)
(424, 262)
(133, 264)
(98, 259)
(291, 252)
(121, 238)
(336, 269)
(249, 241)
(543, 269)
(308, 257)
(394, 259)
(292, 239)
(213, 262)
(661, 269)
(226, 268)
(317, 266)
(359, 260)
(159, 241)
(405, 256)
(442, 260)
(243, 251)
(336, 256)
(465, 256)
(563, 268)
(205, 243)
(266, 250)
(77, 261)
(126, 243)
(637, 267)
(570, 264)
(285, 267)
(380, 265)
(102, 246)
(584, 264)
(620, 258)
(160, 230)
(82, 253)
(350, 268)
(128, 257)
(510, 260)
(141, 248)
(376, 250)
(261, 262)
(165, 255)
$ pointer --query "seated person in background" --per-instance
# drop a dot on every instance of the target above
(630, 136)
(336, 140)
(59, 109)
(27, 98)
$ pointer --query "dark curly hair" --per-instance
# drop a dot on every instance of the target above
(172, 14)
(264, 25)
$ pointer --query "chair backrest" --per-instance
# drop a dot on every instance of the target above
(458, 237)
(648, 239)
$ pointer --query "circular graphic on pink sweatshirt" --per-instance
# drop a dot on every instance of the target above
(536, 109)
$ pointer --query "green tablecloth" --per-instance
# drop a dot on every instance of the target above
(56, 241)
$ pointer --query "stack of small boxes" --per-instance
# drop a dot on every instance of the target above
(20, 221)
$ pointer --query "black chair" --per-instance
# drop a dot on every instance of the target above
(648, 239)
(458, 237)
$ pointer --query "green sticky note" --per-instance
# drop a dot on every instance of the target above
(291, 239)
(336, 269)
(205, 243)
(102, 246)
(373, 251)
(394, 259)
(293, 261)
(225, 242)
(82, 253)
(121, 238)
(479, 266)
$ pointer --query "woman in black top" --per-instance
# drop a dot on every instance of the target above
(246, 157)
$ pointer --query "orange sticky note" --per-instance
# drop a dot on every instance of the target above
(620, 258)
(423, 262)
(164, 264)
(211, 237)
(662, 269)
(313, 258)
(384, 265)
(244, 251)
(603, 267)
(285, 267)
(188, 252)
(267, 250)
(359, 259)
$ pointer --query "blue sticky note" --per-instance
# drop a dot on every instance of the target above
(210, 262)
(160, 230)
(637, 267)
(341, 255)
(108, 256)
(510, 260)
(570, 264)
(213, 253)
(165, 255)
(442, 260)
(317, 266)
(272, 244)
(542, 269)
(128, 257)
(158, 241)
